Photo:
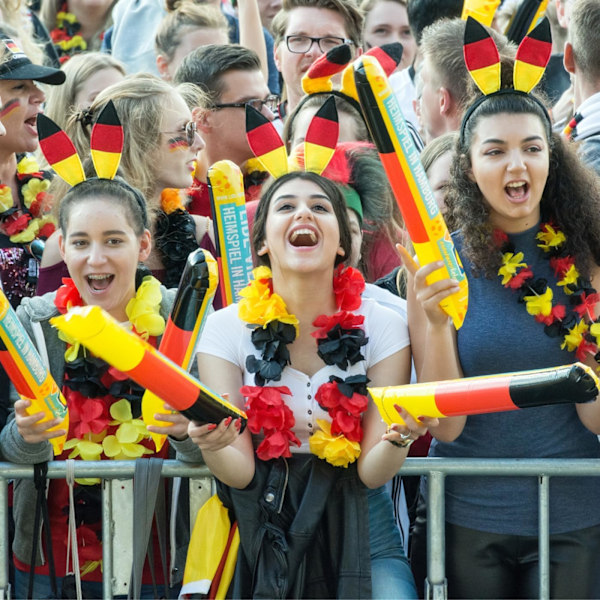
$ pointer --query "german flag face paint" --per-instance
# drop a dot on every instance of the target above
(532, 57)
(481, 57)
(321, 137)
(177, 143)
(106, 142)
(266, 143)
(9, 107)
(59, 151)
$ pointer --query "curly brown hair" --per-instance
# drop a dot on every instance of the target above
(570, 200)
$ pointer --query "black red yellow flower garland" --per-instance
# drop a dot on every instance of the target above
(339, 340)
(23, 224)
(578, 324)
(65, 36)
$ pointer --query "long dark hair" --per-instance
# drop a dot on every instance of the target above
(571, 197)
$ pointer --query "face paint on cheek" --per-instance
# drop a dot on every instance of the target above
(11, 105)
(178, 143)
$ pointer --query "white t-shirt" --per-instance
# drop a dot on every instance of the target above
(225, 336)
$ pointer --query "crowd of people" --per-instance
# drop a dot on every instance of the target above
(336, 303)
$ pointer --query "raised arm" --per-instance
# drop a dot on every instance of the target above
(433, 337)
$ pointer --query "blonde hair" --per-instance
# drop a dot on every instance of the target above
(187, 16)
(140, 101)
(60, 99)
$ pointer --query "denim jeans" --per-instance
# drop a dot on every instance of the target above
(391, 576)
(90, 589)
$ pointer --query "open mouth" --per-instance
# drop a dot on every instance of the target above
(303, 237)
(517, 190)
(99, 283)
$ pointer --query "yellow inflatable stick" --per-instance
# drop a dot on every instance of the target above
(95, 329)
(400, 158)
(28, 373)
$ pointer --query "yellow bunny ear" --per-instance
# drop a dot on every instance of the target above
(321, 137)
(106, 142)
(59, 151)
(266, 143)
(481, 10)
(532, 57)
(481, 57)
(318, 77)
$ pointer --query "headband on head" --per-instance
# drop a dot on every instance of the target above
(483, 63)
(269, 148)
(106, 145)
(317, 79)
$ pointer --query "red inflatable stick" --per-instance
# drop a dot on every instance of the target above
(194, 297)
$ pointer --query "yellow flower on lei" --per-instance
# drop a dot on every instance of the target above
(32, 188)
(569, 278)
(259, 306)
(539, 304)
(595, 331)
(87, 449)
(550, 238)
(31, 231)
(575, 336)
(510, 263)
(143, 311)
(125, 443)
(336, 450)
(27, 164)
(6, 198)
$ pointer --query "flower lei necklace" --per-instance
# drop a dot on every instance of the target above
(24, 224)
(91, 386)
(579, 329)
(339, 341)
(65, 36)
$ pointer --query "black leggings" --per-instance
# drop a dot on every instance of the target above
(490, 565)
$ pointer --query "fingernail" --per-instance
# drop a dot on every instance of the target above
(238, 424)
(211, 426)
(398, 408)
(228, 421)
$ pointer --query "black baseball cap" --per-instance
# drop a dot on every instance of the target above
(17, 66)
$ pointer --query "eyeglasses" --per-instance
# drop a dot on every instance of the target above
(301, 44)
(190, 132)
(271, 102)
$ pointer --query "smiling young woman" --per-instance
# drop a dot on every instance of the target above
(102, 255)
(297, 352)
(527, 216)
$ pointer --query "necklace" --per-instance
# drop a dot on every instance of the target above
(577, 324)
(30, 217)
(339, 337)
(65, 36)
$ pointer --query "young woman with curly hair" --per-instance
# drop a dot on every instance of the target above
(527, 220)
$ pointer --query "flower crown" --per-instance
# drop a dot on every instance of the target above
(106, 146)
(483, 63)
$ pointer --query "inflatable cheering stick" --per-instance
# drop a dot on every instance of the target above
(194, 296)
(95, 329)
(25, 369)
(400, 158)
(232, 239)
(574, 383)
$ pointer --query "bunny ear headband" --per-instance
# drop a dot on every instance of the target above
(106, 145)
(269, 148)
(317, 80)
(483, 63)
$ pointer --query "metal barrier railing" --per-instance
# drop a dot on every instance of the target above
(437, 469)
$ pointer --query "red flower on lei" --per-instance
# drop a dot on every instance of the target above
(268, 412)
(67, 296)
